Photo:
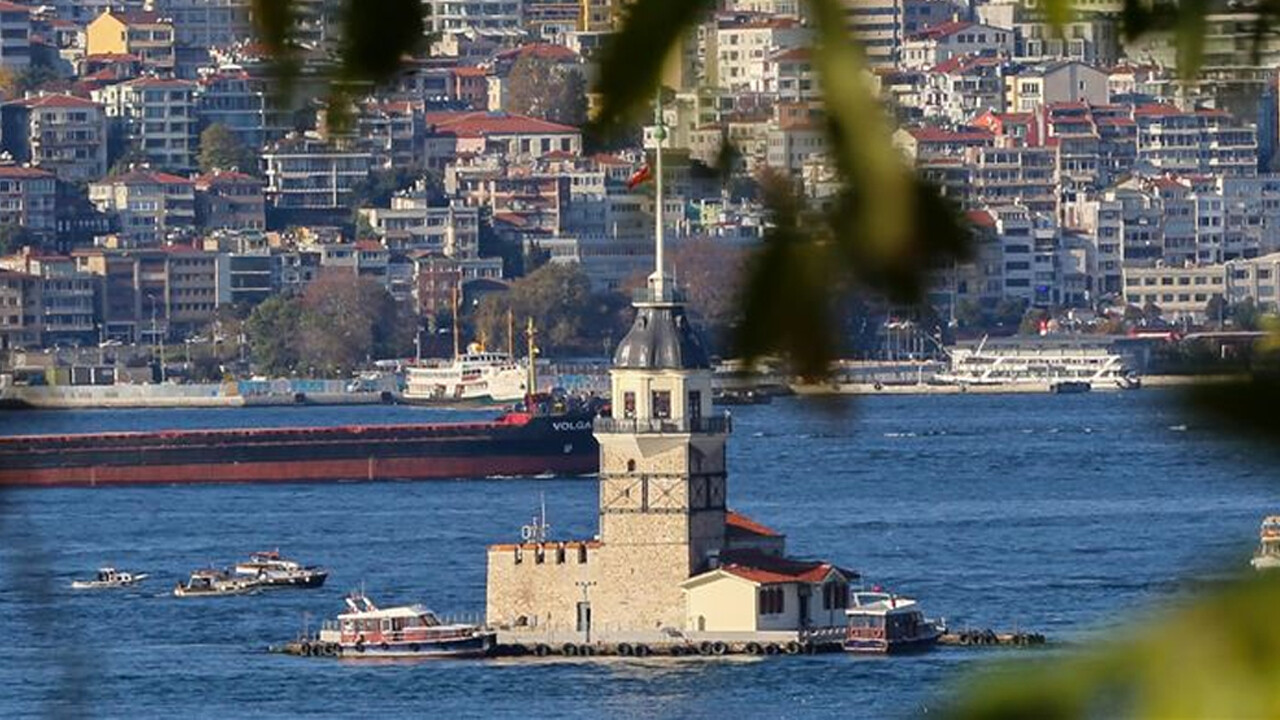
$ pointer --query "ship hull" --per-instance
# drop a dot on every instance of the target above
(559, 445)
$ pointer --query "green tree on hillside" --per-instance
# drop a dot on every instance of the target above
(220, 149)
(570, 318)
(272, 331)
(547, 90)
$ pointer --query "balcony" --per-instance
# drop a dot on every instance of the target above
(663, 426)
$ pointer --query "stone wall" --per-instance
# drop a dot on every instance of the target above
(534, 586)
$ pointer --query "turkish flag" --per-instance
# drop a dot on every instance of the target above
(639, 177)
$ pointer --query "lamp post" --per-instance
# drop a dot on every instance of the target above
(155, 335)
(584, 612)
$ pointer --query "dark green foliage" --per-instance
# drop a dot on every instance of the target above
(272, 330)
(222, 150)
(570, 318)
(13, 237)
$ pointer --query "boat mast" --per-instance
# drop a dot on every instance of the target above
(511, 333)
(456, 337)
(531, 386)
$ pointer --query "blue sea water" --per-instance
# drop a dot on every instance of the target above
(1065, 515)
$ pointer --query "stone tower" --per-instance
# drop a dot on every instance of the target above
(662, 469)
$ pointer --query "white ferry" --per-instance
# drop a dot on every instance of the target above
(882, 622)
(1037, 365)
(109, 577)
(1267, 556)
(407, 631)
(476, 376)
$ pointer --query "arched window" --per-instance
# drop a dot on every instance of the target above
(631, 466)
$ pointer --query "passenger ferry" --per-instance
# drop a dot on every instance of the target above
(1267, 556)
(476, 376)
(1038, 365)
(273, 571)
(406, 631)
(882, 622)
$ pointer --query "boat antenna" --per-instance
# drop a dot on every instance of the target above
(536, 532)
(456, 338)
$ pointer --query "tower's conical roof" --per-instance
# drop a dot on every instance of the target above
(661, 338)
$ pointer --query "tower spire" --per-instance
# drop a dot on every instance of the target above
(660, 285)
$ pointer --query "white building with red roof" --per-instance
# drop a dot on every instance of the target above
(944, 41)
(61, 133)
(519, 138)
(149, 206)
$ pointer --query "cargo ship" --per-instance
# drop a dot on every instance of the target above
(535, 438)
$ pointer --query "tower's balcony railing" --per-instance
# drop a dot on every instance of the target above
(659, 426)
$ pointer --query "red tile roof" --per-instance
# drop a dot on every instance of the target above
(136, 17)
(981, 218)
(799, 54)
(146, 177)
(14, 7)
(16, 171)
(770, 569)
(942, 30)
(56, 101)
(737, 521)
(481, 123)
(155, 82)
(1151, 109)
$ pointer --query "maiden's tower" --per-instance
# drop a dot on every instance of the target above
(670, 560)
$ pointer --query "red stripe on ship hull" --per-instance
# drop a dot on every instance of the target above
(302, 471)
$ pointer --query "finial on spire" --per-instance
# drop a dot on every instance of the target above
(660, 287)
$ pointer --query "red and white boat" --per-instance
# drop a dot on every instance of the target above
(882, 622)
(406, 631)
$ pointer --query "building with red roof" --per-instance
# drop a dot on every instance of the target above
(61, 133)
(230, 199)
(516, 137)
(938, 43)
(149, 206)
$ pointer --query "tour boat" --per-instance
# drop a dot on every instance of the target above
(109, 577)
(273, 571)
(213, 583)
(884, 623)
(406, 631)
(1267, 556)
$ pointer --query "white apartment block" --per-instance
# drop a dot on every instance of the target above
(305, 173)
(743, 49)
(206, 23)
(485, 16)
(158, 115)
(61, 133)
(27, 199)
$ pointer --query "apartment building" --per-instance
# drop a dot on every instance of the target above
(157, 116)
(149, 206)
(145, 35)
(28, 199)
(64, 134)
(15, 35)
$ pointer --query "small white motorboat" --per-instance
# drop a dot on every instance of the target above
(213, 583)
(109, 577)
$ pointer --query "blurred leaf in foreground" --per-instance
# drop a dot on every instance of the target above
(1218, 657)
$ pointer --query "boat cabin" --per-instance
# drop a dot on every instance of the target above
(878, 616)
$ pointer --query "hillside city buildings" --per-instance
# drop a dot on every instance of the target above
(1089, 174)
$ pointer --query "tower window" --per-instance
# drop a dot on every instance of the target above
(628, 404)
(631, 466)
(662, 404)
(694, 411)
